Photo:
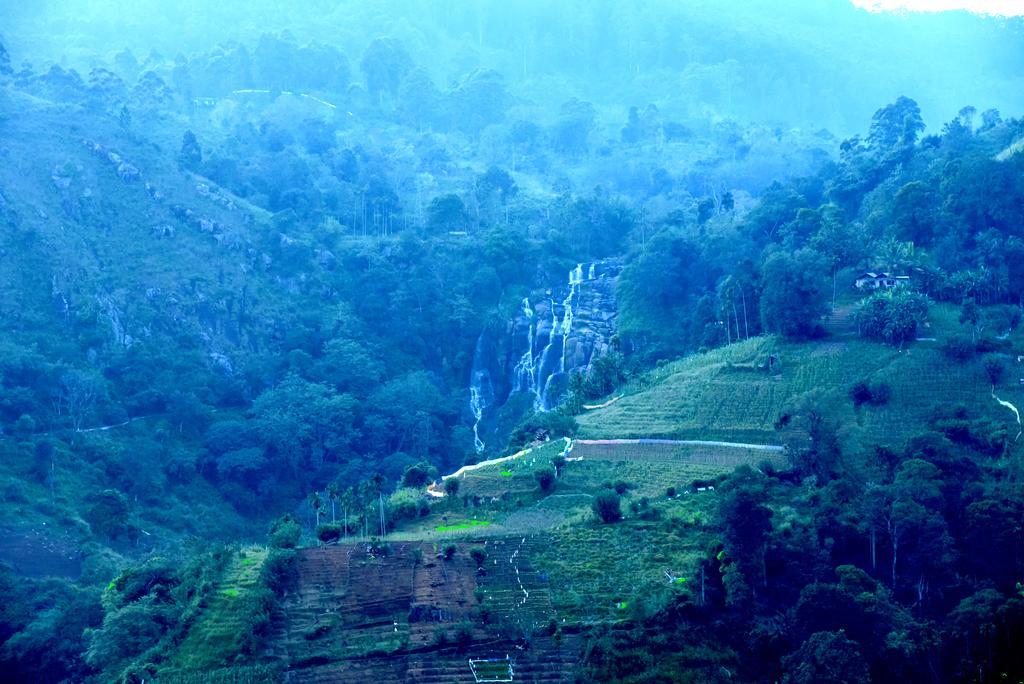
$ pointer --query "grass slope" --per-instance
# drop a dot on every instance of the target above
(215, 637)
(729, 394)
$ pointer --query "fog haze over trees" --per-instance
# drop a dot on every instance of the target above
(822, 65)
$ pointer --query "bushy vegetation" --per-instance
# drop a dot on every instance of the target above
(892, 317)
(875, 394)
(608, 507)
(545, 479)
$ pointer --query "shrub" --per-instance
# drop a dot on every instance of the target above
(860, 393)
(670, 492)
(451, 486)
(479, 556)
(992, 345)
(1001, 319)
(876, 394)
(280, 571)
(379, 548)
(545, 479)
(959, 348)
(328, 532)
(449, 551)
(254, 611)
(553, 423)
(406, 504)
(995, 370)
(892, 316)
(463, 636)
(650, 513)
(108, 515)
(285, 532)
(606, 373)
(418, 475)
(880, 393)
(607, 507)
(621, 487)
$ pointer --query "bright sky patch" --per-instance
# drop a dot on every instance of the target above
(996, 7)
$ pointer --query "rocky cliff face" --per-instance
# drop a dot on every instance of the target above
(527, 364)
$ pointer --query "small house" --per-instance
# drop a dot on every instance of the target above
(880, 281)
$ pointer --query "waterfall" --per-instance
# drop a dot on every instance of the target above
(480, 390)
(561, 330)
(526, 365)
(575, 280)
(476, 405)
(539, 367)
(525, 372)
(539, 403)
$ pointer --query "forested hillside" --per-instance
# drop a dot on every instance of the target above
(290, 266)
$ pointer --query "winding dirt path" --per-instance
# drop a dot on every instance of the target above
(436, 489)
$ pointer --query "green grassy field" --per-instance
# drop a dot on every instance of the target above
(510, 500)
(728, 394)
(217, 634)
(593, 569)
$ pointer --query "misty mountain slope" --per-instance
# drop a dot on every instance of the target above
(833, 61)
(115, 221)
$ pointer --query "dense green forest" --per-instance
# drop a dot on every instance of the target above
(263, 267)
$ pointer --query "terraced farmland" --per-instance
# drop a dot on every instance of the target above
(596, 573)
(412, 616)
(674, 452)
(729, 394)
(645, 479)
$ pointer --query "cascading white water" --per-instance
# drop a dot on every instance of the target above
(536, 369)
(526, 369)
(476, 405)
(575, 280)
(539, 402)
(561, 330)
(479, 390)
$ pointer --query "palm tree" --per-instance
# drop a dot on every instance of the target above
(378, 484)
(364, 494)
(347, 499)
(332, 493)
(896, 255)
(727, 300)
(316, 503)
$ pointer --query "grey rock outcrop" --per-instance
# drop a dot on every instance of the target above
(526, 364)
